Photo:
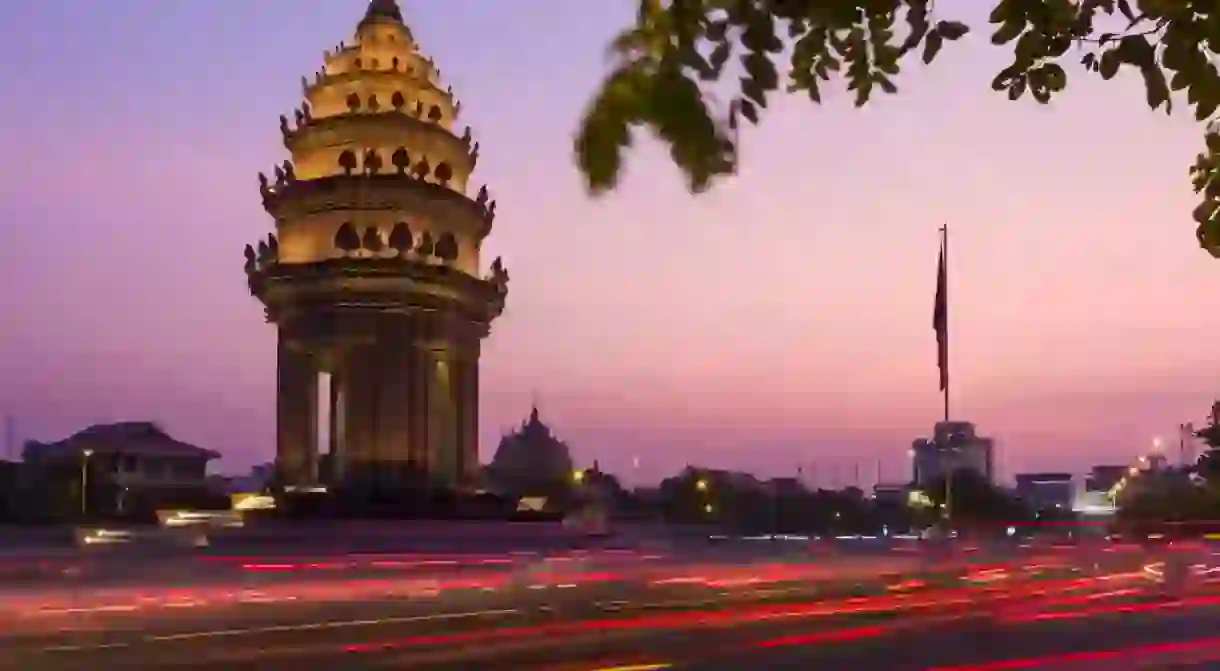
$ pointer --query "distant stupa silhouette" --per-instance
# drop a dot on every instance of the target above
(531, 457)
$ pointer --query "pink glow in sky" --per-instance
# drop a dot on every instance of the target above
(783, 318)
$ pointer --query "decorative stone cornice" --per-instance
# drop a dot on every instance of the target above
(399, 284)
(289, 199)
(413, 76)
(370, 130)
(333, 328)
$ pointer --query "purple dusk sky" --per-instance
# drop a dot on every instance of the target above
(783, 318)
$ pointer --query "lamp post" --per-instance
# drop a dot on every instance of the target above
(702, 486)
(84, 481)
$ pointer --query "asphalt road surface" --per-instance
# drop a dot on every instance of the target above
(462, 640)
(1104, 626)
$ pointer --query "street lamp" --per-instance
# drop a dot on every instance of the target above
(84, 481)
(701, 485)
(578, 476)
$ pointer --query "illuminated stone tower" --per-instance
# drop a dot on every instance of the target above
(372, 276)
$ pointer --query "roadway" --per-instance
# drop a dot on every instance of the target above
(511, 639)
(795, 624)
(811, 607)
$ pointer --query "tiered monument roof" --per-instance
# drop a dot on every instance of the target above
(378, 179)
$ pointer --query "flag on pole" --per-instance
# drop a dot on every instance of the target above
(940, 320)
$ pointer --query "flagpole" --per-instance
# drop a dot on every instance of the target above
(941, 322)
(944, 250)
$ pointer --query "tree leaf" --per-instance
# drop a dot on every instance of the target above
(952, 30)
(1136, 50)
(762, 70)
(1002, 12)
(1206, 107)
(1109, 64)
(1204, 212)
(754, 91)
(748, 110)
(1208, 234)
(1004, 78)
(1016, 88)
(814, 92)
(606, 128)
(720, 56)
(1124, 8)
(1008, 31)
(1157, 88)
(931, 46)
(885, 83)
(1054, 76)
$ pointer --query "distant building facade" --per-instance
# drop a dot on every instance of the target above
(1102, 478)
(1045, 492)
(892, 493)
(953, 446)
(112, 468)
(786, 486)
(10, 481)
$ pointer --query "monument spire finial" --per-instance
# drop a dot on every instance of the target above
(385, 9)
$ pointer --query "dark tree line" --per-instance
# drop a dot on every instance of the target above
(694, 497)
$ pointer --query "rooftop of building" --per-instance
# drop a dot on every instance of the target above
(134, 438)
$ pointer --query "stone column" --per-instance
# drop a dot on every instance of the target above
(296, 420)
(442, 422)
(360, 390)
(393, 400)
(418, 368)
(466, 404)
